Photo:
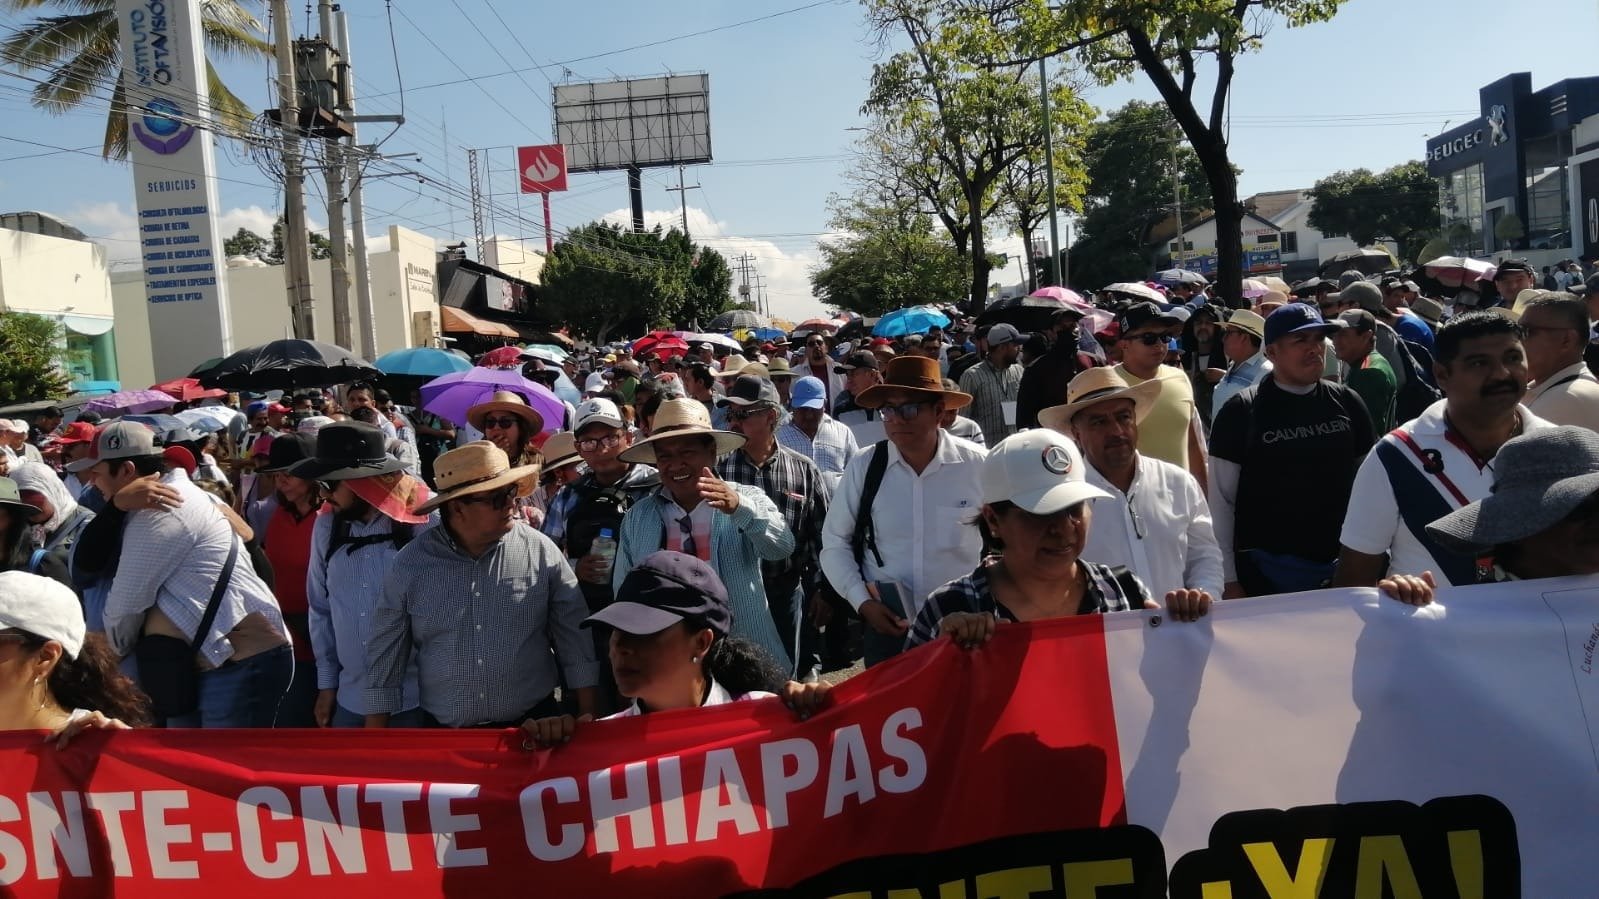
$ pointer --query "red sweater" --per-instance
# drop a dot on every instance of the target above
(288, 548)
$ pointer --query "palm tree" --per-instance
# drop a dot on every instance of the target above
(80, 54)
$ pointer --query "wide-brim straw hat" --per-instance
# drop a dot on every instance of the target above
(1542, 476)
(505, 401)
(680, 417)
(1098, 385)
(560, 450)
(477, 467)
(917, 375)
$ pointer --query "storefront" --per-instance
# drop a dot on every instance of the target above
(1520, 177)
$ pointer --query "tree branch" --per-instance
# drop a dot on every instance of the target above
(1058, 51)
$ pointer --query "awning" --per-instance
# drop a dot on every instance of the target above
(88, 325)
(460, 321)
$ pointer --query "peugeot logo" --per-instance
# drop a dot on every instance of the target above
(1058, 460)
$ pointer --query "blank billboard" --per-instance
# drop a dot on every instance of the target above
(607, 125)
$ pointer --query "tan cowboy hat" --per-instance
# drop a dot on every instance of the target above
(477, 467)
(778, 368)
(505, 401)
(912, 374)
(560, 450)
(1246, 321)
(732, 365)
(679, 417)
(1094, 386)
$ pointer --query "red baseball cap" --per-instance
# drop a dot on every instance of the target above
(279, 409)
(77, 432)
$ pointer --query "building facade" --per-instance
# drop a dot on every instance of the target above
(48, 268)
(1523, 177)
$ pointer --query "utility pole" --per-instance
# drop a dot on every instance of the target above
(682, 193)
(1058, 267)
(333, 172)
(296, 241)
(1177, 205)
(744, 278)
(353, 159)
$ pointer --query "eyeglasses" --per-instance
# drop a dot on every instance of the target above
(499, 499)
(1148, 338)
(590, 444)
(742, 414)
(905, 411)
(507, 422)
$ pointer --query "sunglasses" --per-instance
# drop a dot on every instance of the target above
(498, 499)
(506, 423)
(1148, 338)
(742, 414)
(590, 444)
(905, 411)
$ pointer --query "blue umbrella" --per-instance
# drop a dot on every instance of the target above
(548, 352)
(913, 320)
(421, 362)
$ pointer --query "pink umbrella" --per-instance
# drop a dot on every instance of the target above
(1458, 271)
(449, 396)
(1254, 288)
(664, 344)
(130, 402)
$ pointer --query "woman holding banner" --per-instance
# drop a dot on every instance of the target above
(670, 649)
(54, 676)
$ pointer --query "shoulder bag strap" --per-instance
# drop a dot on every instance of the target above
(216, 594)
(864, 537)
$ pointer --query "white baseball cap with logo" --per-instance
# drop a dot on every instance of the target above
(1040, 471)
(42, 607)
(597, 412)
(118, 440)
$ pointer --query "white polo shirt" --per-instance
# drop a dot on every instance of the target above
(1374, 525)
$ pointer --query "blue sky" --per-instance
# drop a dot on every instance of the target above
(1363, 90)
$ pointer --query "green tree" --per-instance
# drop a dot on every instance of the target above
(1398, 204)
(889, 257)
(1509, 231)
(1130, 189)
(80, 52)
(245, 242)
(32, 357)
(1170, 43)
(710, 284)
(321, 247)
(952, 93)
(1023, 189)
(602, 279)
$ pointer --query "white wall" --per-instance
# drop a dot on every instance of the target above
(53, 275)
(514, 257)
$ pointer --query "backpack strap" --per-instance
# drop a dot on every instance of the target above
(864, 537)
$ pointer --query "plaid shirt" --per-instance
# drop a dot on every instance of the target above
(795, 484)
(832, 449)
(972, 593)
(991, 388)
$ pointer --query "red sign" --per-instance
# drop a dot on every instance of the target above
(543, 168)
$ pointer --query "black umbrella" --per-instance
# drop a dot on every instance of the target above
(1367, 262)
(855, 328)
(287, 365)
(739, 318)
(1026, 314)
(205, 366)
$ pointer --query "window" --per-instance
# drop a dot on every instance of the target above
(1548, 204)
(1290, 241)
(1460, 201)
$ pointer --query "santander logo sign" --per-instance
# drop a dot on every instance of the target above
(543, 168)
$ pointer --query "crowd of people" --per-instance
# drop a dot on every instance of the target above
(723, 522)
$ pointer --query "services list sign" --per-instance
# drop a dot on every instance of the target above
(164, 81)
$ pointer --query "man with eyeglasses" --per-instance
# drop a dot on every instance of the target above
(819, 365)
(795, 485)
(914, 536)
(1156, 522)
(1172, 432)
(486, 605)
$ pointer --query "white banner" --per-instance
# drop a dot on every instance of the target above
(1352, 711)
(170, 125)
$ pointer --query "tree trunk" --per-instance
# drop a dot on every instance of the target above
(980, 268)
(1031, 283)
(1228, 283)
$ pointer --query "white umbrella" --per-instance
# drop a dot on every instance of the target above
(714, 339)
(1458, 271)
(1135, 289)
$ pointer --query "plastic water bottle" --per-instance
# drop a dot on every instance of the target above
(604, 546)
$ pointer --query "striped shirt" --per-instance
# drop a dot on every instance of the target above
(974, 594)
(831, 449)
(342, 593)
(172, 560)
(991, 389)
(795, 485)
(487, 633)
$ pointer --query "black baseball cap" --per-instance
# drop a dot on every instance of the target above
(857, 359)
(665, 588)
(1140, 314)
(1514, 265)
(751, 390)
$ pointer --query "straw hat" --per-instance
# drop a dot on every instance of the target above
(778, 367)
(560, 450)
(916, 375)
(679, 417)
(478, 467)
(505, 401)
(1096, 385)
(1248, 322)
(732, 365)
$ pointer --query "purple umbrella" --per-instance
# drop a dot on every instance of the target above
(449, 396)
(130, 402)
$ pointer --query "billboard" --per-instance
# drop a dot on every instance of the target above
(635, 122)
(174, 183)
(541, 169)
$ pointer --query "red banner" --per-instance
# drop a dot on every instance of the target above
(941, 767)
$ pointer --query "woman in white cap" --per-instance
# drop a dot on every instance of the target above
(52, 673)
(1036, 510)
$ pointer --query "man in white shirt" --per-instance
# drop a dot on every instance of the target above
(1440, 460)
(1158, 525)
(918, 534)
(1562, 390)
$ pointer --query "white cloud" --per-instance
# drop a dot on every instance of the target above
(785, 272)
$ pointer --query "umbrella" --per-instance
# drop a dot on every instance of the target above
(187, 390)
(911, 320)
(772, 333)
(160, 424)
(421, 361)
(287, 364)
(129, 402)
(856, 327)
(1253, 289)
(739, 318)
(716, 340)
(550, 352)
(1367, 261)
(1034, 312)
(208, 418)
(662, 343)
(812, 325)
(1137, 291)
(449, 396)
(205, 366)
(1180, 276)
(1458, 271)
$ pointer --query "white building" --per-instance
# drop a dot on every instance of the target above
(48, 268)
(1277, 238)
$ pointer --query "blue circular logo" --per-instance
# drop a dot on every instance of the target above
(162, 117)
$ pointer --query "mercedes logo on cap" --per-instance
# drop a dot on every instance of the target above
(1057, 459)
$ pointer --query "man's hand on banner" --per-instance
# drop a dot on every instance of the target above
(1410, 589)
(969, 630)
(542, 733)
(806, 699)
(1187, 605)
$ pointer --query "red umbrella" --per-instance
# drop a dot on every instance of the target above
(664, 344)
(501, 357)
(187, 390)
